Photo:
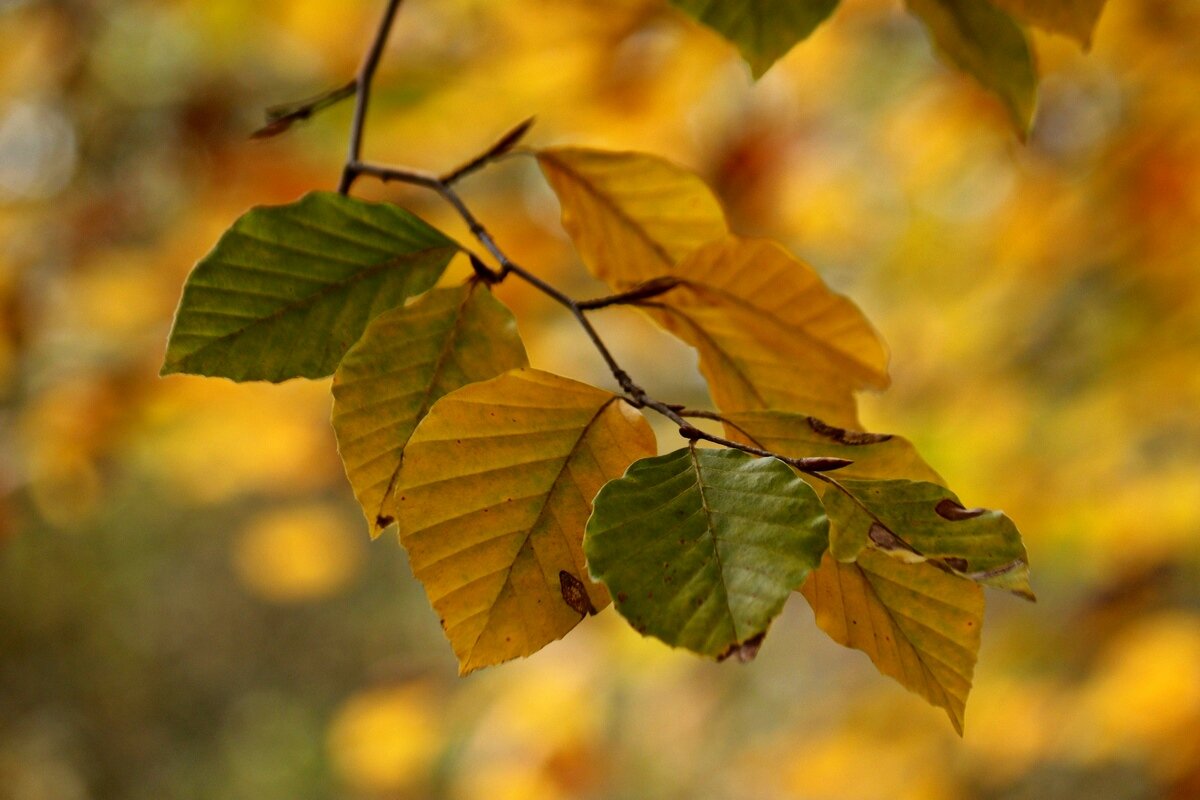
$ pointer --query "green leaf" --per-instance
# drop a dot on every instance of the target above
(875, 455)
(631, 216)
(919, 624)
(763, 30)
(1075, 18)
(987, 43)
(407, 359)
(495, 490)
(288, 289)
(918, 522)
(702, 547)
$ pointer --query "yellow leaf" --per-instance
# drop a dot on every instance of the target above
(495, 491)
(406, 360)
(632, 216)
(770, 333)
(919, 625)
(1074, 18)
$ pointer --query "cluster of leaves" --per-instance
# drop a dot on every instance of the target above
(984, 38)
(528, 501)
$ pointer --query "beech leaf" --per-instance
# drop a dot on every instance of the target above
(919, 624)
(770, 333)
(631, 216)
(288, 289)
(763, 30)
(492, 498)
(917, 521)
(407, 359)
(983, 41)
(702, 547)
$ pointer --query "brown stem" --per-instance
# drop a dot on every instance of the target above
(651, 288)
(634, 393)
(366, 74)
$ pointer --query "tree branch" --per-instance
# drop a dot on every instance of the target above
(366, 74)
(634, 393)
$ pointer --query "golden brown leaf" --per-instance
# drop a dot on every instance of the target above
(918, 624)
(493, 497)
(770, 333)
(632, 216)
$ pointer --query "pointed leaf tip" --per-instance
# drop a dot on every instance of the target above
(762, 30)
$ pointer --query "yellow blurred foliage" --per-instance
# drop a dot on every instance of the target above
(384, 740)
(297, 554)
(1145, 696)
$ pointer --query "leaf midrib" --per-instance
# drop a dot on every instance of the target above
(452, 335)
(537, 521)
(712, 533)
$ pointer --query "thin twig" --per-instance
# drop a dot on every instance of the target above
(366, 74)
(505, 143)
(634, 393)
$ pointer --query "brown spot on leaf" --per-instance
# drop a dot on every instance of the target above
(574, 593)
(958, 564)
(383, 520)
(746, 651)
(886, 540)
(948, 509)
(843, 436)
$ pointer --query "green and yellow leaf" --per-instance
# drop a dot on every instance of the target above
(492, 499)
(631, 216)
(407, 359)
(917, 521)
(702, 547)
(919, 624)
(288, 289)
(763, 30)
(1074, 18)
(985, 42)
(770, 333)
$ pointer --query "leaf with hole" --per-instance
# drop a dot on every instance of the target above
(492, 498)
(919, 624)
(631, 216)
(983, 41)
(407, 359)
(763, 30)
(702, 547)
(288, 289)
(770, 333)
(922, 522)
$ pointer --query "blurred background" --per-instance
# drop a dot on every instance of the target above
(190, 606)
